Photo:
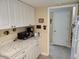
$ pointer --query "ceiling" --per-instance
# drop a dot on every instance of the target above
(59, 9)
(42, 3)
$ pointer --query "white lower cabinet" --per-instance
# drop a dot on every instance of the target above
(33, 52)
(20, 55)
(29, 53)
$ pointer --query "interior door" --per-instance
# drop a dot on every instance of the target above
(61, 19)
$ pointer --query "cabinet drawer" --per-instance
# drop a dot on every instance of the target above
(33, 52)
(20, 55)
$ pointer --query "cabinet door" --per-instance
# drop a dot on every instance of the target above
(31, 16)
(20, 14)
(29, 53)
(33, 52)
(36, 51)
(25, 15)
(12, 7)
(4, 14)
(28, 13)
(16, 13)
(21, 57)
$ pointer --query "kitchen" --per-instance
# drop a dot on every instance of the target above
(16, 16)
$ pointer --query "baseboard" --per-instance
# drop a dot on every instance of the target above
(45, 54)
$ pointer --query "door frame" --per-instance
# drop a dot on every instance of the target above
(74, 14)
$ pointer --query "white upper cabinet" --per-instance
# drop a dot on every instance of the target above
(21, 14)
(11, 12)
(4, 14)
(25, 15)
(28, 15)
(18, 12)
(32, 15)
(14, 13)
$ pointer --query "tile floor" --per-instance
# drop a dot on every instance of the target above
(44, 57)
(59, 52)
(55, 53)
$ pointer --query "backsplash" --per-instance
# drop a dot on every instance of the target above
(11, 31)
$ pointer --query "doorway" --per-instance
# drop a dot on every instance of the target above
(60, 32)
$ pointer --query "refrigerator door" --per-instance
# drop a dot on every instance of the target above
(77, 52)
(75, 39)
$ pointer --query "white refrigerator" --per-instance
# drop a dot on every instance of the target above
(75, 40)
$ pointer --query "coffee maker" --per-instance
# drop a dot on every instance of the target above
(26, 34)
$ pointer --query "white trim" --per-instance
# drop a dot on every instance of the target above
(64, 6)
(25, 3)
(48, 29)
(45, 54)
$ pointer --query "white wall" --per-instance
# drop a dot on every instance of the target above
(42, 12)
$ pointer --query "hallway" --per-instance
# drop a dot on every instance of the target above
(59, 52)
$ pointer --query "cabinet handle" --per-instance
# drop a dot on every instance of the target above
(12, 26)
(29, 24)
(23, 57)
(23, 52)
